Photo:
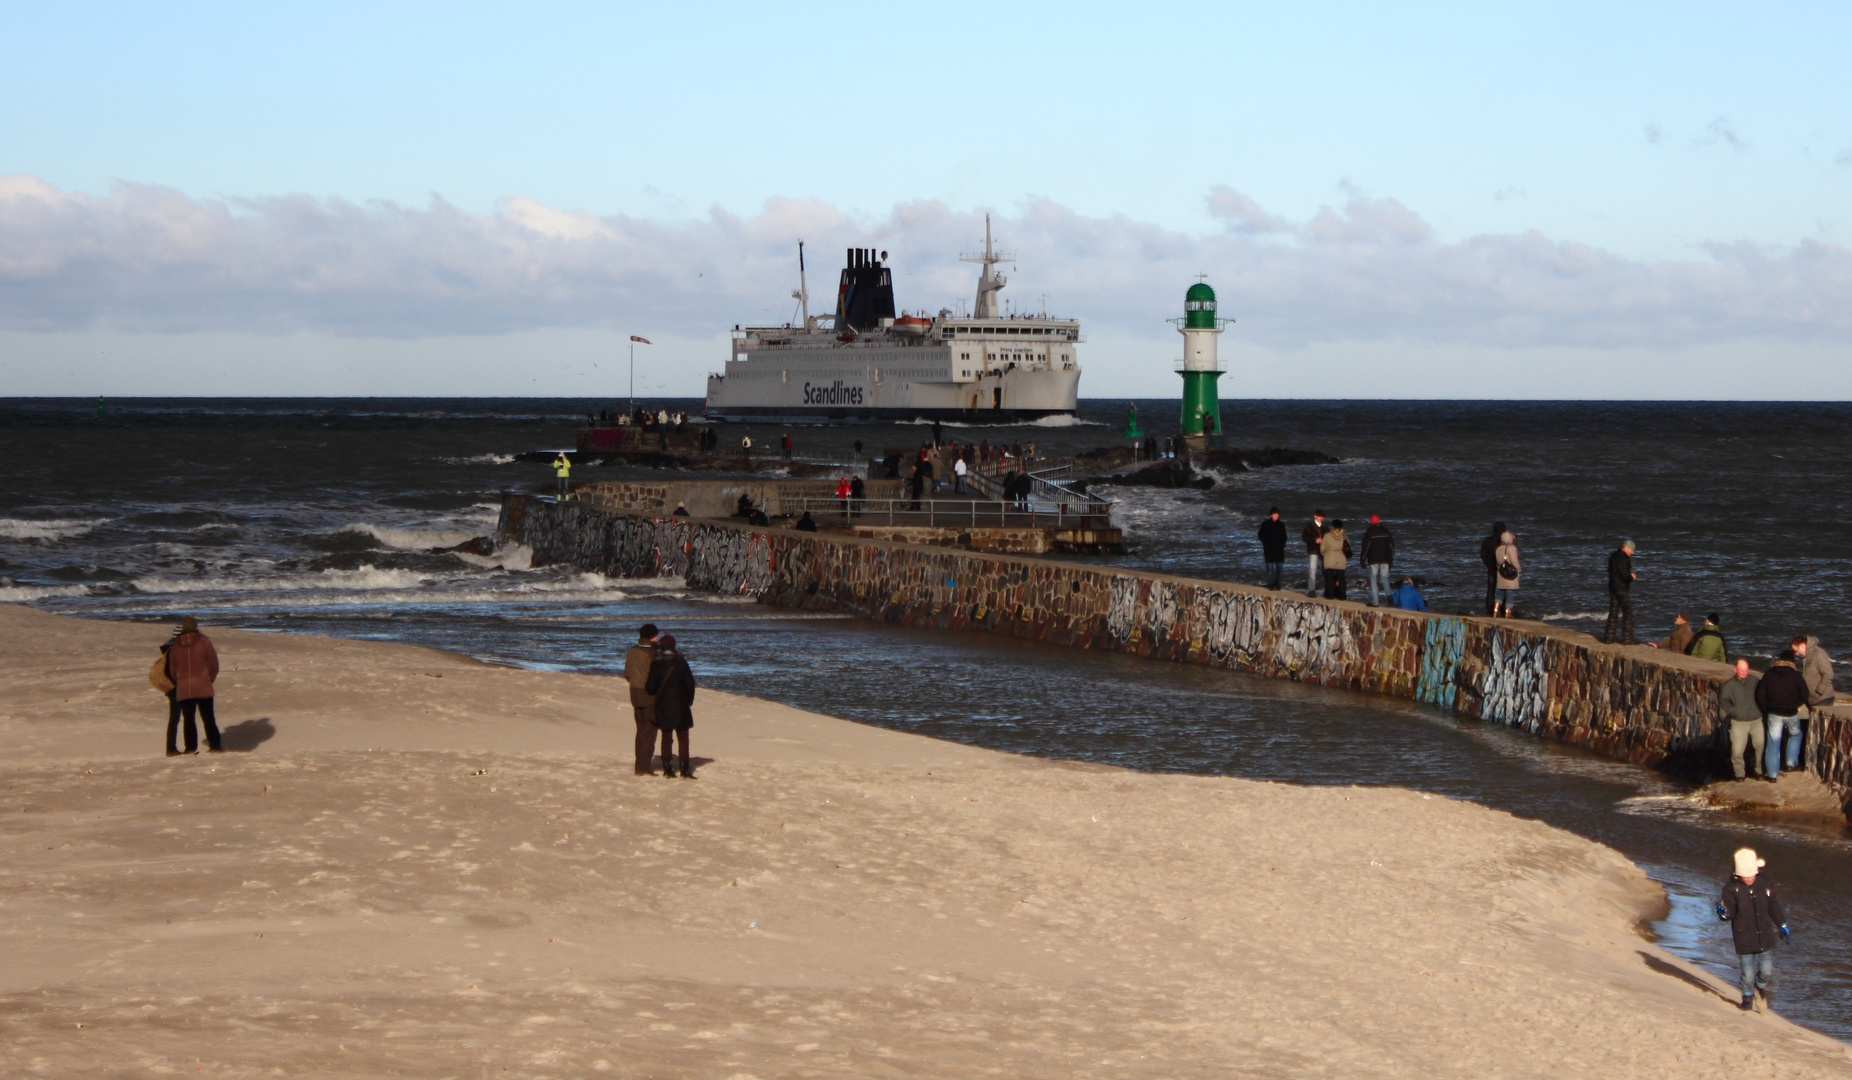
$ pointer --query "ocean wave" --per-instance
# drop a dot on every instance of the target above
(22, 594)
(407, 538)
(361, 578)
(508, 557)
(480, 459)
(49, 529)
(1574, 616)
(1044, 422)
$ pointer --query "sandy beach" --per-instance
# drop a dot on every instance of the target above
(410, 863)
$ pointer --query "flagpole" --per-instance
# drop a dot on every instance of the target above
(633, 379)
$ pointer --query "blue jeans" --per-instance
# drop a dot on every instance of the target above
(1379, 582)
(1273, 574)
(1507, 598)
(1772, 757)
(1314, 572)
(1758, 971)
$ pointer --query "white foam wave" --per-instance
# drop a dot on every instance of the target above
(21, 594)
(1575, 616)
(507, 557)
(367, 578)
(480, 459)
(408, 538)
(1044, 422)
(54, 529)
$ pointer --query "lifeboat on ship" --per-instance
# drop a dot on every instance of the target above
(911, 326)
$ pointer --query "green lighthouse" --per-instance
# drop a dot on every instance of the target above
(1199, 367)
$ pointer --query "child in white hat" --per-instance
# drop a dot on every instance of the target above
(1753, 909)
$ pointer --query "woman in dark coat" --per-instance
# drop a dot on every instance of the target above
(674, 688)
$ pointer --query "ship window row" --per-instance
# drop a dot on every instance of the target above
(1036, 330)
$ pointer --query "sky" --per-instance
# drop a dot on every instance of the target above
(1419, 200)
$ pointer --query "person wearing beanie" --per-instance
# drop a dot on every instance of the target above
(1708, 642)
(1378, 558)
(642, 703)
(1272, 536)
(193, 665)
(1620, 595)
(1681, 635)
(1759, 924)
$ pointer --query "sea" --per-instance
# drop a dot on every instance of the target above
(331, 517)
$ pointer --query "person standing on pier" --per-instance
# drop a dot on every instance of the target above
(1378, 558)
(959, 471)
(1620, 595)
(562, 468)
(785, 443)
(1758, 923)
(1816, 671)
(1708, 643)
(1311, 536)
(1510, 567)
(642, 703)
(1782, 696)
(1488, 554)
(1680, 639)
(1335, 548)
(1273, 546)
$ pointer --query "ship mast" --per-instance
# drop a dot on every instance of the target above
(802, 293)
(988, 282)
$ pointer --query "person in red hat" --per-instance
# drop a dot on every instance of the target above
(1378, 558)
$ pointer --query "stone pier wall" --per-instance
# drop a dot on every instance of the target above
(1621, 702)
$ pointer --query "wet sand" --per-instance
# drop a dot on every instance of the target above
(420, 865)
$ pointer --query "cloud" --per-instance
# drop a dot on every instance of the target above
(150, 259)
(1722, 133)
(1844, 157)
(1654, 134)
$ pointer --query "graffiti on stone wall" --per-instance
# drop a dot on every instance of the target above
(1316, 643)
(736, 563)
(1140, 610)
(1512, 689)
(1441, 649)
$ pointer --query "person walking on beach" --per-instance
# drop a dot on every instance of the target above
(1708, 643)
(1620, 595)
(1758, 923)
(673, 685)
(1335, 549)
(1272, 536)
(1488, 554)
(1736, 700)
(637, 664)
(1505, 558)
(1680, 638)
(193, 665)
(1378, 558)
(1816, 671)
(1782, 695)
(562, 469)
(1312, 536)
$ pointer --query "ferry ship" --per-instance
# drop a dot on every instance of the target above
(868, 363)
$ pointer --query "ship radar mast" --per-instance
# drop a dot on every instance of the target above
(988, 282)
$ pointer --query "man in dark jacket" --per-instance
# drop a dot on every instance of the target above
(1488, 554)
(1620, 594)
(1313, 536)
(1378, 558)
(1758, 922)
(1273, 546)
(1781, 695)
(1736, 700)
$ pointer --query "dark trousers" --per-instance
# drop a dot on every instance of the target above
(1491, 590)
(669, 736)
(184, 710)
(1620, 610)
(1273, 574)
(1334, 584)
(646, 737)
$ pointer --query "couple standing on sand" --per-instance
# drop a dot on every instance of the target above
(188, 667)
(662, 690)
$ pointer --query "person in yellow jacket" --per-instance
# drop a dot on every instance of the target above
(562, 468)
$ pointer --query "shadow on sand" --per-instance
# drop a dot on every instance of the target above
(245, 735)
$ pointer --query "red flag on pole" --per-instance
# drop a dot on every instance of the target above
(644, 340)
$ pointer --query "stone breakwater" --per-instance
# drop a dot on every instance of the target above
(1629, 703)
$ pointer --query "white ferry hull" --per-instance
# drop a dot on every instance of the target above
(1011, 397)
